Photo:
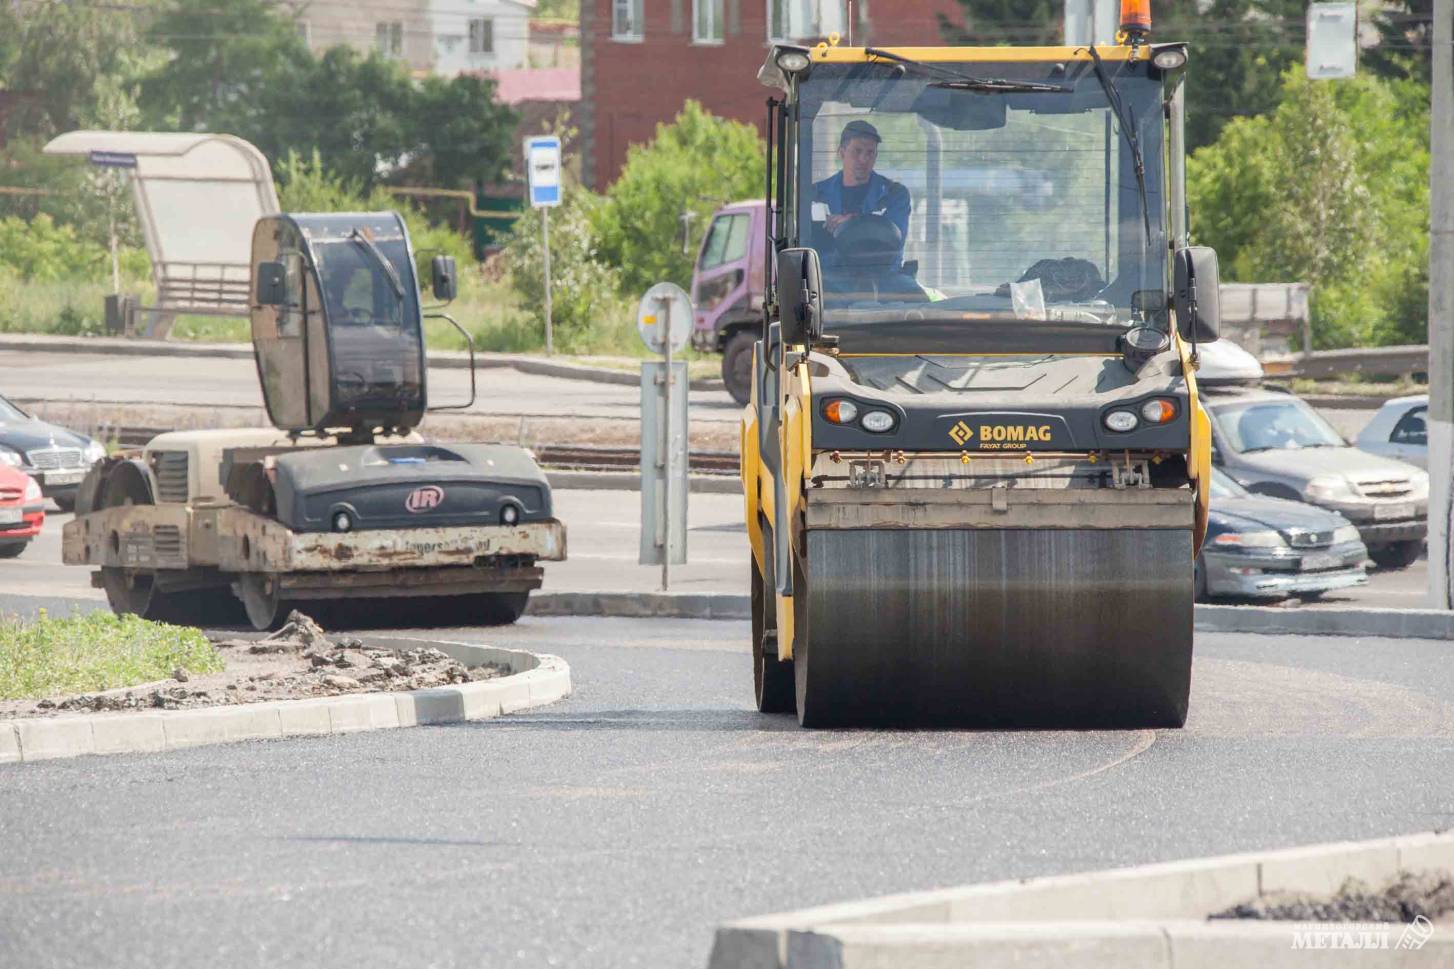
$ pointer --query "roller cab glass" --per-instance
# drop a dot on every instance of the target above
(372, 311)
(965, 193)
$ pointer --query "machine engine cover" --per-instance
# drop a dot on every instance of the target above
(408, 486)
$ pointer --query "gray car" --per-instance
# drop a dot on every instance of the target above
(1399, 430)
(1273, 443)
(1259, 547)
(55, 457)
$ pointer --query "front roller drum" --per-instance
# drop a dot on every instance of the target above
(1019, 628)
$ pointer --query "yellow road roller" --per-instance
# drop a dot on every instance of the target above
(975, 467)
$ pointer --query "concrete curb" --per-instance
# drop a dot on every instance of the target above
(642, 605)
(534, 680)
(700, 484)
(449, 359)
(1256, 620)
(1151, 915)
(1387, 623)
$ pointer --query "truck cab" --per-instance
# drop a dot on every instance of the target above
(727, 289)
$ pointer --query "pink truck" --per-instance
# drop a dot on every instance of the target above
(727, 289)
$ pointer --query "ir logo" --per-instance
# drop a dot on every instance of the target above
(426, 498)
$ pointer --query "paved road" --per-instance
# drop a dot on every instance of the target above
(617, 828)
(207, 381)
(603, 531)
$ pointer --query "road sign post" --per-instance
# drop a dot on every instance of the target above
(664, 321)
(542, 163)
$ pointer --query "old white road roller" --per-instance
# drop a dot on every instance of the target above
(341, 501)
(975, 467)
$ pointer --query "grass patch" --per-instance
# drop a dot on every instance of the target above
(97, 651)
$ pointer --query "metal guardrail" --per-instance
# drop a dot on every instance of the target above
(1401, 361)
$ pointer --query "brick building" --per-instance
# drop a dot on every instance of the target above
(641, 59)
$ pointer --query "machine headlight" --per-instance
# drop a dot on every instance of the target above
(32, 490)
(1121, 421)
(1158, 410)
(1418, 485)
(793, 61)
(1329, 487)
(878, 421)
(1345, 533)
(1169, 60)
(841, 411)
(1261, 539)
(10, 457)
(94, 452)
(510, 514)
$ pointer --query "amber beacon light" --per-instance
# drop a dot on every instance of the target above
(1136, 18)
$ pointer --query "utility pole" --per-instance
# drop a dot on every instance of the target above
(1441, 308)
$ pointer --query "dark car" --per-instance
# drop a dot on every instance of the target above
(1259, 547)
(56, 458)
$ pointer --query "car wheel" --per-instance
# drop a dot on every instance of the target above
(12, 550)
(65, 502)
(737, 365)
(1396, 555)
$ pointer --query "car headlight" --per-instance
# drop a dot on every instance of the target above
(32, 490)
(1418, 485)
(1345, 533)
(1329, 487)
(10, 457)
(94, 452)
(1262, 539)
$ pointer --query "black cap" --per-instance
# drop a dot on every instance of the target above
(858, 129)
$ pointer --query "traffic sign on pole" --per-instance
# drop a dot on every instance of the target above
(1332, 50)
(542, 168)
(542, 164)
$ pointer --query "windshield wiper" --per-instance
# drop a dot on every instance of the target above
(957, 81)
(1128, 128)
(373, 250)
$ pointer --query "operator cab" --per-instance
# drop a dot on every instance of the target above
(336, 323)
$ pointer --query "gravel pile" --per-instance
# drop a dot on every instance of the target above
(1429, 894)
(295, 662)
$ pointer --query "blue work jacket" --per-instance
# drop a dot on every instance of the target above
(884, 197)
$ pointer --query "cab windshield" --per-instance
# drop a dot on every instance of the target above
(373, 319)
(931, 198)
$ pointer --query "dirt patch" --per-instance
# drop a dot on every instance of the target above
(296, 662)
(1429, 895)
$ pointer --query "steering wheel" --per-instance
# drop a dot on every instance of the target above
(869, 243)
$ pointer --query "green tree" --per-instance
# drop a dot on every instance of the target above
(1239, 48)
(64, 59)
(583, 285)
(1405, 29)
(1329, 189)
(988, 22)
(224, 59)
(693, 165)
(245, 70)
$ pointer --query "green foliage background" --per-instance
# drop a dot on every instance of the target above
(1330, 188)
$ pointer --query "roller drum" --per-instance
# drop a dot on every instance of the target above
(1037, 628)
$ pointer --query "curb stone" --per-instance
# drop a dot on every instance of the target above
(1092, 918)
(534, 680)
(448, 359)
(1256, 620)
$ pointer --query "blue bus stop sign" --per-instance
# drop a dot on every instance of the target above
(542, 162)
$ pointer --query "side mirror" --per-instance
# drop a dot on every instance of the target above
(445, 281)
(1197, 294)
(800, 295)
(271, 288)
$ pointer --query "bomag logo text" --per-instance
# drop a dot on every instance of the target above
(998, 437)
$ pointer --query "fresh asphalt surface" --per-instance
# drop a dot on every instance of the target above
(618, 827)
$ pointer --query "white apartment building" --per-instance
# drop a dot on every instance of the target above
(431, 36)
